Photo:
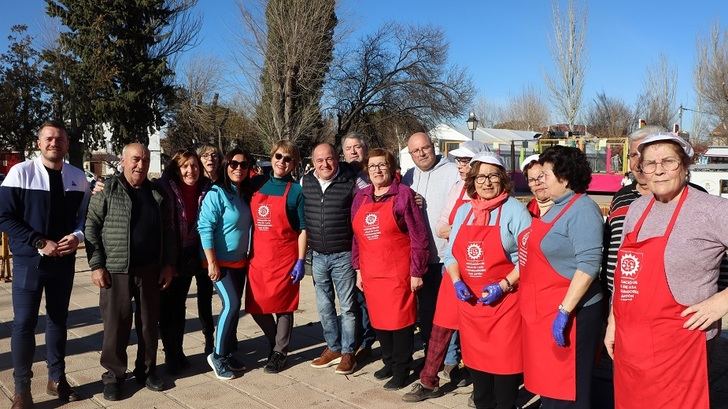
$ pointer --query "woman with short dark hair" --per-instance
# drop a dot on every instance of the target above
(561, 301)
(389, 253)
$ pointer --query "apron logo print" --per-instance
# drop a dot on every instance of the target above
(371, 219)
(524, 239)
(474, 251)
(263, 211)
(630, 265)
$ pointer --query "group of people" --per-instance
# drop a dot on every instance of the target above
(512, 290)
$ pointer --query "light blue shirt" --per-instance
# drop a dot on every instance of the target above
(574, 242)
(514, 220)
(224, 224)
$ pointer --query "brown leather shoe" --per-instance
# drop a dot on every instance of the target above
(328, 358)
(23, 400)
(62, 390)
(347, 364)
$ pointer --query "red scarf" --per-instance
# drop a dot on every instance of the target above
(483, 207)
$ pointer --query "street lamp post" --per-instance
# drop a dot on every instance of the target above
(472, 125)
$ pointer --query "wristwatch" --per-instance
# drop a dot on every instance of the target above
(39, 244)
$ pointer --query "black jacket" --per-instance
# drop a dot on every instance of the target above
(328, 214)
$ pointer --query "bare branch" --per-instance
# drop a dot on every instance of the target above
(568, 48)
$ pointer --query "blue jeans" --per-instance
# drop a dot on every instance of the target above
(334, 271)
(453, 350)
(365, 335)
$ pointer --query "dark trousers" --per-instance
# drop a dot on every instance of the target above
(588, 331)
(365, 335)
(142, 286)
(427, 299)
(28, 288)
(173, 301)
(277, 332)
(491, 391)
(397, 348)
(204, 302)
(230, 289)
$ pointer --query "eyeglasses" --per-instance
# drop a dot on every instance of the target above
(421, 150)
(668, 164)
(284, 158)
(210, 155)
(492, 178)
(377, 166)
(463, 161)
(537, 180)
(234, 164)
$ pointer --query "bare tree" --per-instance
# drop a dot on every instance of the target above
(398, 72)
(526, 111)
(487, 112)
(701, 122)
(609, 117)
(711, 80)
(291, 48)
(568, 47)
(656, 103)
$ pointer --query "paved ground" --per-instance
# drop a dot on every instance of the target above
(299, 386)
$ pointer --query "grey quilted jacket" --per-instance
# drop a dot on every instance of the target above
(107, 228)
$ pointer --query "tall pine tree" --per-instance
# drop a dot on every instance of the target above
(21, 92)
(124, 49)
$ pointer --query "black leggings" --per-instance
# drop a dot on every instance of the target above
(588, 331)
(492, 391)
(397, 347)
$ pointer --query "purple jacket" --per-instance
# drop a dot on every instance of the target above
(409, 219)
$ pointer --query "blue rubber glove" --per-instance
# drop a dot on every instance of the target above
(298, 272)
(495, 293)
(559, 327)
(462, 291)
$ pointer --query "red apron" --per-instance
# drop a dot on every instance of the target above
(548, 369)
(657, 363)
(446, 308)
(384, 261)
(275, 251)
(490, 335)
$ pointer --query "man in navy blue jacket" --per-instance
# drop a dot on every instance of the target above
(43, 209)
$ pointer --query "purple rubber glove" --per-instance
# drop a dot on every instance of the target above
(495, 293)
(298, 272)
(559, 327)
(462, 291)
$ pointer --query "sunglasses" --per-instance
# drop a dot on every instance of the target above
(284, 158)
(234, 164)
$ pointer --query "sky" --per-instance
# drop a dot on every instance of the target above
(504, 45)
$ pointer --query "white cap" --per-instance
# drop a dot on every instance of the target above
(667, 136)
(488, 157)
(528, 160)
(468, 149)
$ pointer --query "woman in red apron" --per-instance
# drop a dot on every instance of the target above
(658, 344)
(390, 254)
(443, 346)
(532, 171)
(279, 248)
(480, 260)
(560, 298)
